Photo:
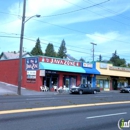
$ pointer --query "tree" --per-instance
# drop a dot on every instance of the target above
(100, 58)
(62, 50)
(37, 49)
(128, 65)
(81, 59)
(50, 50)
(117, 61)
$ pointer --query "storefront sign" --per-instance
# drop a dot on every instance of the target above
(119, 68)
(31, 74)
(61, 62)
(51, 72)
(42, 72)
(87, 65)
(32, 64)
(103, 65)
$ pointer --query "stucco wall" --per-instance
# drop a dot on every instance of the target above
(105, 70)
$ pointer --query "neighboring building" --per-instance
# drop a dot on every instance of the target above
(13, 55)
(112, 77)
(38, 71)
(69, 57)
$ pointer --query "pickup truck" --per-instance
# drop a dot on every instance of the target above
(84, 88)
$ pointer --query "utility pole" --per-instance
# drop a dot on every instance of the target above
(93, 49)
(21, 47)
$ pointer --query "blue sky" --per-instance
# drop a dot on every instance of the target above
(105, 24)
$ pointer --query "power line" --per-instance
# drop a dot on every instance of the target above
(98, 13)
(58, 47)
(75, 10)
(108, 10)
(10, 14)
(81, 32)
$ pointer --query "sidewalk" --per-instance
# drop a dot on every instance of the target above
(9, 89)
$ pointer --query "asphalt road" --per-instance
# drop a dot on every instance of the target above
(93, 117)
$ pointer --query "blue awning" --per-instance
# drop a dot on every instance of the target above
(91, 71)
(57, 67)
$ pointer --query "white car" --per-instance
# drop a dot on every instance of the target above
(125, 89)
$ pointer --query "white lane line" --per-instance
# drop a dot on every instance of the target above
(39, 99)
(115, 114)
(103, 96)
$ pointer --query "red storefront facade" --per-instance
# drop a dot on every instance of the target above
(39, 71)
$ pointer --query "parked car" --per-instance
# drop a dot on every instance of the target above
(84, 88)
(125, 89)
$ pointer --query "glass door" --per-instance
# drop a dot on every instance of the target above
(67, 82)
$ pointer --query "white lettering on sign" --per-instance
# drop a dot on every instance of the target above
(119, 68)
(60, 61)
(31, 72)
(103, 65)
(87, 65)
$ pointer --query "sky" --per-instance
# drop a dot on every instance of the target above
(78, 22)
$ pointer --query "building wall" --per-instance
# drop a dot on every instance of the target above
(9, 74)
(9, 71)
(32, 85)
(107, 71)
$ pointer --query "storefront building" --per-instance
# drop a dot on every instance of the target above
(39, 71)
(61, 72)
(112, 77)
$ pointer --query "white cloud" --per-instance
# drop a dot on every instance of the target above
(103, 38)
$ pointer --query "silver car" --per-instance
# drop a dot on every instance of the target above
(125, 89)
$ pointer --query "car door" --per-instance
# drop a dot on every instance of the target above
(83, 88)
(89, 89)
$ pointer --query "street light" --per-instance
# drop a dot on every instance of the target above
(21, 46)
(37, 15)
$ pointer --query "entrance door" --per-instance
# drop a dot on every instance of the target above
(48, 82)
(67, 82)
(114, 84)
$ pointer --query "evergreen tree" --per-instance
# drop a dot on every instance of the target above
(100, 58)
(81, 59)
(50, 50)
(117, 61)
(62, 50)
(37, 49)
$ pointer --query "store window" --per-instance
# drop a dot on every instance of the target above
(122, 84)
(73, 81)
(83, 80)
(69, 81)
(102, 83)
(106, 84)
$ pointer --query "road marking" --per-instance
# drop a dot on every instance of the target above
(115, 114)
(103, 96)
(61, 107)
(39, 99)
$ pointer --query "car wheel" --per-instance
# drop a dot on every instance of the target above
(80, 92)
(94, 92)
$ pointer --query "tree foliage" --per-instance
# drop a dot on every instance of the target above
(117, 61)
(37, 49)
(62, 50)
(100, 58)
(81, 59)
(50, 51)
